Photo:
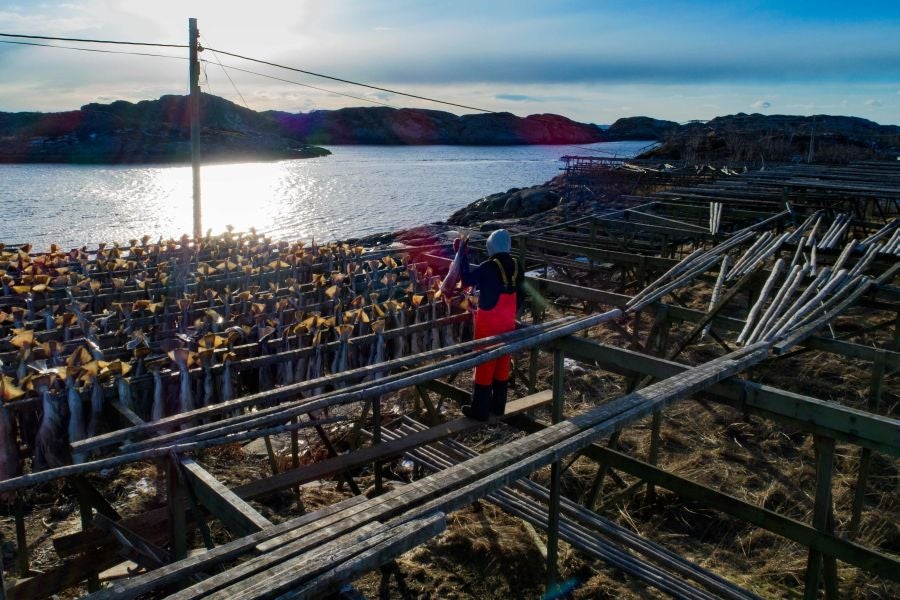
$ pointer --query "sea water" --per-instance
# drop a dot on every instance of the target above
(358, 190)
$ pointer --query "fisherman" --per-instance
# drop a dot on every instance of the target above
(499, 280)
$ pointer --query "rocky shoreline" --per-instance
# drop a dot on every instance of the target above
(532, 206)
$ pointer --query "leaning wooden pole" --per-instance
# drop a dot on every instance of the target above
(194, 105)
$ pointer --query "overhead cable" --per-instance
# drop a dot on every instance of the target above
(228, 75)
(365, 85)
(93, 50)
(306, 85)
(90, 41)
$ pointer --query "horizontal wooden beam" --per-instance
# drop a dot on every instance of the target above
(811, 414)
(829, 544)
(620, 258)
(380, 452)
(443, 388)
(224, 504)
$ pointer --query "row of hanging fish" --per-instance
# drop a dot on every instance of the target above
(87, 335)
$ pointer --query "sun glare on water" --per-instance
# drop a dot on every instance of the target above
(243, 195)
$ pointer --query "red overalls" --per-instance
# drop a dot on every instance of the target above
(500, 319)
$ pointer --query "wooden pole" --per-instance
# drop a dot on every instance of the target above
(176, 506)
(194, 80)
(555, 474)
(865, 458)
(821, 512)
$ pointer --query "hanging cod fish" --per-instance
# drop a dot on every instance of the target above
(76, 427)
(208, 345)
(341, 357)
(91, 373)
(158, 407)
(50, 445)
(454, 273)
(227, 376)
(119, 370)
(10, 465)
(184, 359)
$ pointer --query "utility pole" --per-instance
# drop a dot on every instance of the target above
(194, 104)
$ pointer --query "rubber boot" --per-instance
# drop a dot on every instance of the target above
(480, 409)
(498, 401)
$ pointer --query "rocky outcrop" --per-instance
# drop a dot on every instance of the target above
(743, 137)
(514, 203)
(639, 128)
(153, 131)
(383, 125)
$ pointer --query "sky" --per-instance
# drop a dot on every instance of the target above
(593, 61)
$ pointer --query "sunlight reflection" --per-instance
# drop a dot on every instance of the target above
(357, 191)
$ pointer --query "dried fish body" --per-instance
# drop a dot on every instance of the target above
(183, 359)
(97, 405)
(76, 427)
(10, 463)
(50, 444)
(123, 388)
(227, 377)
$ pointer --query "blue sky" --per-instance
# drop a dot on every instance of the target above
(592, 61)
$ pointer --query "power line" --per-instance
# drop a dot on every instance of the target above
(93, 49)
(306, 85)
(225, 67)
(91, 41)
(365, 85)
(228, 75)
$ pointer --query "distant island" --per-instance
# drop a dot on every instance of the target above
(158, 131)
(780, 138)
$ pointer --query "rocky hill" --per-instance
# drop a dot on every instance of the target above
(152, 131)
(155, 131)
(384, 125)
(743, 137)
(639, 128)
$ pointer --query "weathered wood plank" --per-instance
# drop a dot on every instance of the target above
(407, 537)
(260, 569)
(181, 570)
(150, 525)
(846, 424)
(224, 504)
(826, 543)
(384, 544)
(384, 451)
(148, 554)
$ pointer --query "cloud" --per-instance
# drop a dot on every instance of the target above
(873, 103)
(761, 104)
(516, 97)
(532, 98)
(382, 28)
